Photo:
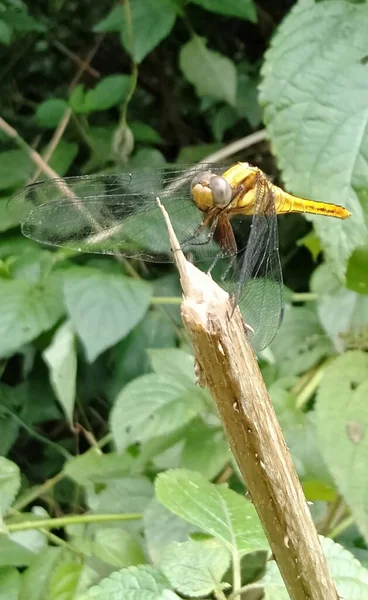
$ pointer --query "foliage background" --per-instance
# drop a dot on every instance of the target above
(100, 417)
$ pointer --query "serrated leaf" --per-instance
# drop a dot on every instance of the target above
(50, 112)
(64, 581)
(161, 527)
(350, 577)
(205, 450)
(9, 483)
(153, 405)
(9, 583)
(243, 9)
(61, 359)
(36, 577)
(301, 342)
(195, 568)
(117, 547)
(26, 311)
(342, 425)
(211, 73)
(343, 313)
(315, 94)
(213, 508)
(94, 467)
(133, 583)
(104, 307)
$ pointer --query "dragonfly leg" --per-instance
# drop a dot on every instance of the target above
(190, 239)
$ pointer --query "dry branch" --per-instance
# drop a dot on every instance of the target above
(228, 366)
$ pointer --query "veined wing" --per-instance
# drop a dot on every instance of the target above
(258, 288)
(115, 214)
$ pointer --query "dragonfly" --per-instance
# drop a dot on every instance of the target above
(219, 213)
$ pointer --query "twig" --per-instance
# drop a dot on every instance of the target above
(76, 59)
(72, 520)
(227, 364)
(237, 146)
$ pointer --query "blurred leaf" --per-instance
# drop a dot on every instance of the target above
(50, 112)
(18, 19)
(341, 311)
(9, 583)
(319, 132)
(211, 73)
(350, 577)
(151, 22)
(63, 156)
(147, 158)
(100, 143)
(312, 242)
(26, 311)
(14, 553)
(214, 508)
(103, 307)
(357, 271)
(247, 102)
(7, 220)
(61, 359)
(125, 495)
(206, 449)
(9, 483)
(190, 154)
(143, 132)
(174, 363)
(36, 577)
(342, 423)
(94, 467)
(64, 581)
(15, 168)
(153, 405)
(117, 547)
(300, 342)
(5, 33)
(195, 568)
(161, 527)
(136, 583)
(243, 9)
(224, 119)
(110, 91)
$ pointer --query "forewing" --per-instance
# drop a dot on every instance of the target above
(258, 287)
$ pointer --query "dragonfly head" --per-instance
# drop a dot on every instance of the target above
(210, 190)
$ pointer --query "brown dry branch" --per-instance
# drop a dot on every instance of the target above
(228, 366)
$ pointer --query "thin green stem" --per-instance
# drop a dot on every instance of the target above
(341, 527)
(219, 594)
(304, 297)
(236, 574)
(71, 520)
(134, 72)
(245, 588)
(166, 300)
(38, 491)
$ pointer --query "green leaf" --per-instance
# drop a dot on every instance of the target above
(195, 568)
(63, 156)
(142, 132)
(206, 449)
(133, 583)
(110, 91)
(153, 405)
(9, 483)
(103, 307)
(5, 33)
(9, 583)
(26, 311)
(301, 342)
(15, 553)
(50, 112)
(343, 313)
(315, 94)
(147, 158)
(161, 527)
(61, 358)
(64, 581)
(350, 577)
(7, 220)
(247, 101)
(224, 119)
(189, 154)
(15, 168)
(342, 424)
(125, 495)
(113, 21)
(117, 547)
(243, 9)
(211, 73)
(213, 508)
(94, 467)
(36, 577)
(357, 271)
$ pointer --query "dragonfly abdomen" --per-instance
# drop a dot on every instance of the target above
(286, 203)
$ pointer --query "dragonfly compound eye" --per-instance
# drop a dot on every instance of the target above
(221, 191)
(203, 177)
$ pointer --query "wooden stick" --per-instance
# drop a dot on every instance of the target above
(228, 366)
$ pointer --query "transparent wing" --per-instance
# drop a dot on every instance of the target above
(258, 286)
(116, 214)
